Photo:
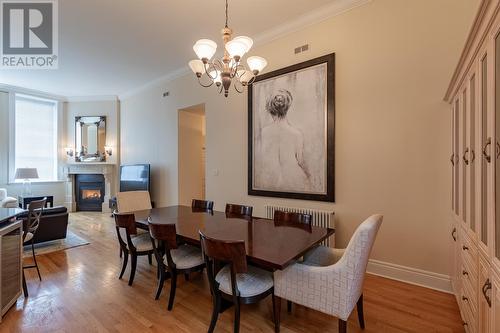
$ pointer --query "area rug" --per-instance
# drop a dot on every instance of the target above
(69, 242)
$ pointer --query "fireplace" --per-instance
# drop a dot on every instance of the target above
(89, 192)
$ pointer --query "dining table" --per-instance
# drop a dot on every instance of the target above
(268, 245)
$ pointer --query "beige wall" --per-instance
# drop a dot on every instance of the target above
(394, 59)
(191, 143)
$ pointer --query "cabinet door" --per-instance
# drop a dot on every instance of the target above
(470, 156)
(486, 147)
(483, 303)
(495, 313)
(495, 152)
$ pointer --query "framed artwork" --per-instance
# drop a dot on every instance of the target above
(291, 132)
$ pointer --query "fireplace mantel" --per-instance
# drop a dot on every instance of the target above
(108, 170)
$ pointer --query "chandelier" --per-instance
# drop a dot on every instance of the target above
(229, 70)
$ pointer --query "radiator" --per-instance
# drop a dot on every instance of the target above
(320, 218)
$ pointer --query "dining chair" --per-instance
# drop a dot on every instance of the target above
(202, 205)
(173, 259)
(238, 211)
(331, 280)
(131, 243)
(31, 224)
(236, 282)
(132, 201)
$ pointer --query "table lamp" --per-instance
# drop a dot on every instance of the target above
(26, 174)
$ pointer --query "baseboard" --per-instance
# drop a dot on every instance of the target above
(410, 275)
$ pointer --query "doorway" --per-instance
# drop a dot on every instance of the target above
(191, 156)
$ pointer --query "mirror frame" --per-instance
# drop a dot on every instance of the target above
(98, 156)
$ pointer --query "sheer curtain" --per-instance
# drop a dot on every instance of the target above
(36, 136)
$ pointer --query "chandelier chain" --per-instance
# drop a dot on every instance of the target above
(226, 14)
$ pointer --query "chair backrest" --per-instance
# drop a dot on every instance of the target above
(133, 201)
(238, 211)
(232, 252)
(294, 220)
(125, 227)
(356, 255)
(165, 233)
(202, 205)
(35, 210)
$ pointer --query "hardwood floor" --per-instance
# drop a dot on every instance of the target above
(80, 292)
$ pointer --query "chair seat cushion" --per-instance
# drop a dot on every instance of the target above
(254, 282)
(185, 256)
(29, 236)
(142, 242)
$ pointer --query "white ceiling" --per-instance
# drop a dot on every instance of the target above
(109, 47)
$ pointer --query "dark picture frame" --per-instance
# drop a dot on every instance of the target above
(328, 193)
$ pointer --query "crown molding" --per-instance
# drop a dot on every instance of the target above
(32, 92)
(310, 18)
(97, 98)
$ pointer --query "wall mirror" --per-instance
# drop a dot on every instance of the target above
(90, 139)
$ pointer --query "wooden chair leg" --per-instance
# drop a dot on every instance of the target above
(342, 326)
(361, 316)
(237, 316)
(161, 281)
(150, 258)
(276, 313)
(173, 286)
(133, 268)
(121, 252)
(25, 287)
(34, 259)
(215, 312)
(124, 265)
(289, 306)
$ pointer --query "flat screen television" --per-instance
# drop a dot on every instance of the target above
(135, 177)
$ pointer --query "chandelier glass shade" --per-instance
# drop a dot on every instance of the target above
(229, 70)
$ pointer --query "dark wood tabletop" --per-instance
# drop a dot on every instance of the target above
(268, 246)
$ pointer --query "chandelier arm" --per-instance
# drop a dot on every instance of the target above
(205, 85)
(236, 83)
(220, 89)
(252, 80)
(226, 13)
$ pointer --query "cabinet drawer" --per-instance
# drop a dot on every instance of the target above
(468, 318)
(468, 300)
(469, 277)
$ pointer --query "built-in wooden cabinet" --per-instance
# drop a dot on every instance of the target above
(474, 97)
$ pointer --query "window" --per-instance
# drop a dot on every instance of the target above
(35, 136)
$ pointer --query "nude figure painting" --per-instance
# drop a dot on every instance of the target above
(290, 128)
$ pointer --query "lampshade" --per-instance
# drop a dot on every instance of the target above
(238, 46)
(26, 173)
(245, 76)
(197, 66)
(205, 48)
(256, 63)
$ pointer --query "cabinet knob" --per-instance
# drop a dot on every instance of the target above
(464, 272)
(465, 299)
(454, 234)
(464, 157)
(485, 148)
(486, 287)
(465, 248)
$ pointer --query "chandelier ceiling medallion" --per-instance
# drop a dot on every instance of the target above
(228, 70)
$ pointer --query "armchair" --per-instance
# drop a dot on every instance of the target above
(5, 201)
(331, 280)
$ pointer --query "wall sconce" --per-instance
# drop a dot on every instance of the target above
(69, 151)
(108, 150)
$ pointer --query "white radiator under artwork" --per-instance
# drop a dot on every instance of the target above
(320, 218)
